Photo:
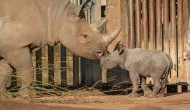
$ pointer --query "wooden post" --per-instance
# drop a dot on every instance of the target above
(69, 65)
(45, 75)
(131, 25)
(126, 22)
(57, 65)
(151, 24)
(179, 89)
(173, 40)
(138, 22)
(180, 41)
(159, 25)
(104, 76)
(166, 26)
(144, 24)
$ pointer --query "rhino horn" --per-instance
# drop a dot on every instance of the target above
(108, 38)
(80, 10)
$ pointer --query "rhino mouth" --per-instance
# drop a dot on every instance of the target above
(99, 54)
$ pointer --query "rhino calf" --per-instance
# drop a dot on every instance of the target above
(141, 63)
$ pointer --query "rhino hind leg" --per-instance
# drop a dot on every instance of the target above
(162, 91)
(156, 87)
(145, 88)
(21, 60)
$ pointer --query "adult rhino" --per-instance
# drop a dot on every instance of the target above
(27, 24)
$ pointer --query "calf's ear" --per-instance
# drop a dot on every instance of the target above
(119, 47)
(120, 50)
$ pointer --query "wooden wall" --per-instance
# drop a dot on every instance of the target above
(153, 24)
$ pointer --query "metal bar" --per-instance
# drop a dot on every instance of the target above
(138, 22)
(159, 25)
(144, 24)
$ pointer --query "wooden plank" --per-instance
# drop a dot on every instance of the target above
(179, 88)
(166, 26)
(45, 75)
(104, 76)
(131, 24)
(138, 22)
(144, 24)
(159, 45)
(122, 19)
(152, 40)
(180, 41)
(126, 23)
(69, 65)
(173, 40)
(185, 32)
(57, 65)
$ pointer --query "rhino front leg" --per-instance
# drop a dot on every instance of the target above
(135, 81)
(21, 60)
(5, 71)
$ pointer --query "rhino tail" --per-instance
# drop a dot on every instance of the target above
(168, 69)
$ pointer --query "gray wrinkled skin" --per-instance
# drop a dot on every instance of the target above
(141, 63)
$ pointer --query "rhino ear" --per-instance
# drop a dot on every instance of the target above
(119, 47)
(85, 6)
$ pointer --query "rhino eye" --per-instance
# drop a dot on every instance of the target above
(84, 35)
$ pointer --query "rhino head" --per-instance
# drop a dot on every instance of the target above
(80, 37)
(113, 59)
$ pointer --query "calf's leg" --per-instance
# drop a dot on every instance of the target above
(135, 81)
(145, 88)
(156, 87)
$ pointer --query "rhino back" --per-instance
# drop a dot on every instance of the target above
(145, 61)
(26, 21)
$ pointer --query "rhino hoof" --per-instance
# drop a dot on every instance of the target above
(160, 95)
(147, 93)
(152, 96)
(133, 95)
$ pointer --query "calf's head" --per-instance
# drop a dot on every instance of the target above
(113, 59)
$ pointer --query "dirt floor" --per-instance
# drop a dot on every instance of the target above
(96, 100)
